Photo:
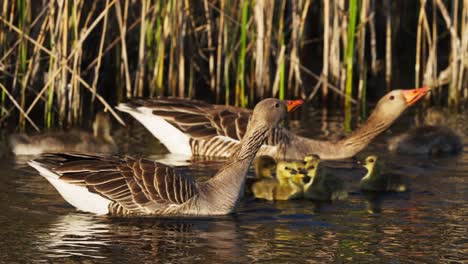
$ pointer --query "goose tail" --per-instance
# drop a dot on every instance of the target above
(78, 196)
(172, 137)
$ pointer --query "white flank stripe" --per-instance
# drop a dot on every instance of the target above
(174, 139)
(78, 196)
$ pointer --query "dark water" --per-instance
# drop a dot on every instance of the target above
(428, 224)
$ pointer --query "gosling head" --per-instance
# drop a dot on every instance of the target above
(264, 165)
(290, 172)
(370, 163)
(391, 105)
(311, 160)
(313, 169)
(269, 112)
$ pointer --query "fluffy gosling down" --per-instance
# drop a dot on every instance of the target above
(320, 184)
(377, 180)
(287, 185)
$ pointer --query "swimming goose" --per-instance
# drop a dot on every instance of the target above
(379, 181)
(100, 141)
(193, 127)
(432, 138)
(130, 186)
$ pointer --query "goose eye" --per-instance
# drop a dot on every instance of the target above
(277, 105)
(392, 97)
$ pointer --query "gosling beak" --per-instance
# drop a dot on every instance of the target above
(293, 104)
(413, 95)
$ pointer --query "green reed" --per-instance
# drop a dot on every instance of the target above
(349, 62)
(240, 87)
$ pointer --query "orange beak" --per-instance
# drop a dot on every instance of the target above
(293, 104)
(413, 95)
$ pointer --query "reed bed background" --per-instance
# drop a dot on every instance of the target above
(62, 60)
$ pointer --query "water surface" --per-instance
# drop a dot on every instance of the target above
(427, 224)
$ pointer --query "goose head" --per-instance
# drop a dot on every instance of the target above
(395, 102)
(270, 112)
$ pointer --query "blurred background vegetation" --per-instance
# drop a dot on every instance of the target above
(62, 60)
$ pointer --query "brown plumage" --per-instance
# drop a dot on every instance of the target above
(134, 186)
(216, 130)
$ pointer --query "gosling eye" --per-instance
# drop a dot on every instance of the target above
(286, 168)
(391, 97)
(371, 160)
(277, 105)
(312, 167)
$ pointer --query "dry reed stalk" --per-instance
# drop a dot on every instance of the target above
(170, 15)
(33, 65)
(417, 66)
(388, 45)
(20, 68)
(335, 56)
(62, 51)
(15, 103)
(279, 62)
(100, 52)
(326, 48)
(219, 50)
(49, 83)
(454, 55)
(209, 32)
(182, 26)
(140, 71)
(464, 52)
(75, 99)
(433, 76)
(259, 17)
(269, 7)
(227, 60)
(122, 22)
(295, 48)
(373, 41)
(362, 49)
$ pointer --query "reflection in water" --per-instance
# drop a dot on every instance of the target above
(75, 235)
(84, 235)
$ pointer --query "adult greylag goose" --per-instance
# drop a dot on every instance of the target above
(193, 127)
(130, 186)
(100, 141)
(433, 137)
